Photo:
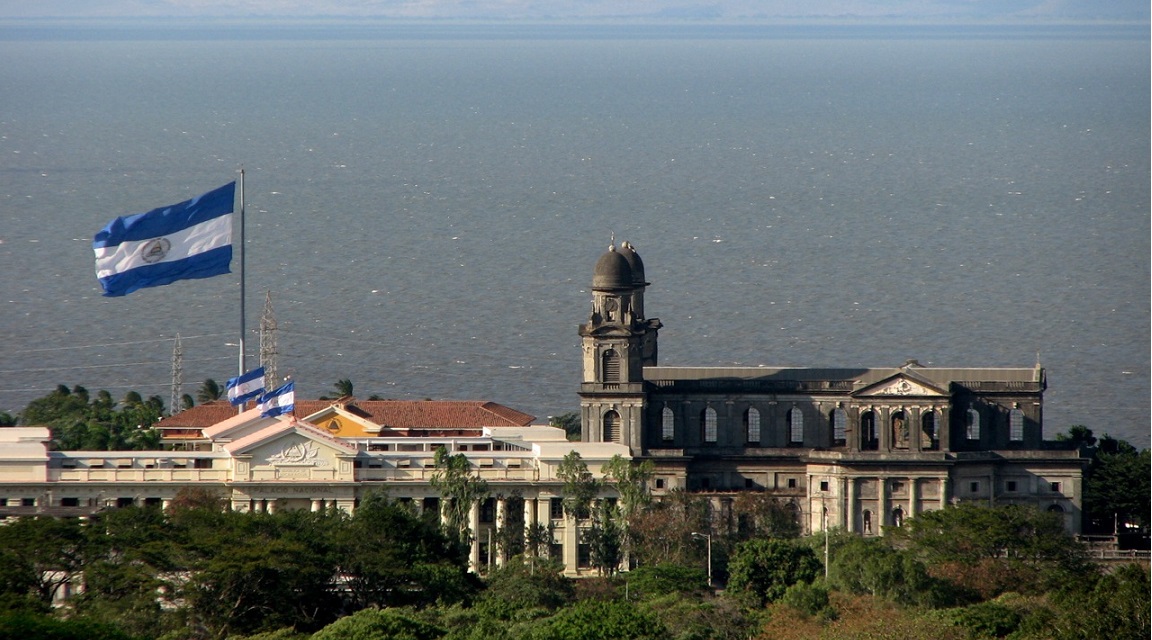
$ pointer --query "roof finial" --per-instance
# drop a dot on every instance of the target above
(612, 245)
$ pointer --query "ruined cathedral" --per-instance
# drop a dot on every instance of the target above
(859, 448)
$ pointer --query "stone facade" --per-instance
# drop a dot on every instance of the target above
(859, 448)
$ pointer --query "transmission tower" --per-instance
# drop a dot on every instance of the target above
(268, 343)
(177, 376)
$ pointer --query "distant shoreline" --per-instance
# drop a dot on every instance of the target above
(346, 28)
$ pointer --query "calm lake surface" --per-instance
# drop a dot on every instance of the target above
(425, 204)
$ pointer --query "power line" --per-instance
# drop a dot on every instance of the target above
(116, 344)
(105, 366)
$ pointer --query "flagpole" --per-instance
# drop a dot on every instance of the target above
(240, 409)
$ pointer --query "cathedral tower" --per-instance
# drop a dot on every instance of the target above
(618, 342)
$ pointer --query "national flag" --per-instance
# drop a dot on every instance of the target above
(192, 239)
(278, 401)
(243, 388)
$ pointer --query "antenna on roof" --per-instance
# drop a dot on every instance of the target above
(268, 349)
(177, 376)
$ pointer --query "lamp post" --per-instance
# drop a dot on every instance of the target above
(708, 538)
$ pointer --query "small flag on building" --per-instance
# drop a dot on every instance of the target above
(243, 388)
(278, 401)
(192, 239)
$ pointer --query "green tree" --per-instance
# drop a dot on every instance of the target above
(38, 556)
(377, 624)
(461, 489)
(605, 539)
(209, 390)
(1118, 487)
(598, 620)
(630, 479)
(651, 581)
(580, 487)
(662, 533)
(518, 590)
(762, 570)
(1116, 605)
(128, 557)
(569, 422)
(390, 556)
(250, 572)
(342, 388)
(995, 549)
(872, 566)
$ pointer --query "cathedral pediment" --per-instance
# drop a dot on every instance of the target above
(901, 385)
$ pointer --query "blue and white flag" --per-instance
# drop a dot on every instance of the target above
(243, 388)
(192, 239)
(278, 401)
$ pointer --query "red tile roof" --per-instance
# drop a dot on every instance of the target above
(391, 414)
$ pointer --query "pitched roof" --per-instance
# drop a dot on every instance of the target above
(393, 414)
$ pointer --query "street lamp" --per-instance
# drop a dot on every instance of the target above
(707, 537)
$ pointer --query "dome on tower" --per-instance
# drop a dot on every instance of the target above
(634, 262)
(613, 271)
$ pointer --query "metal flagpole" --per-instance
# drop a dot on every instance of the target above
(240, 408)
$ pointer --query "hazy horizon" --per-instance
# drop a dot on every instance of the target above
(696, 11)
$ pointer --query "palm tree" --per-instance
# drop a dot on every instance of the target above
(209, 391)
(343, 388)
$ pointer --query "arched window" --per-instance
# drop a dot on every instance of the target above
(1016, 425)
(708, 424)
(667, 424)
(839, 419)
(867, 521)
(900, 437)
(611, 366)
(898, 517)
(1055, 509)
(929, 437)
(973, 424)
(752, 425)
(611, 427)
(869, 439)
(795, 426)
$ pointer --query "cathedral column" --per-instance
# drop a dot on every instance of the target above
(945, 485)
(913, 497)
(850, 515)
(884, 428)
(882, 518)
(317, 505)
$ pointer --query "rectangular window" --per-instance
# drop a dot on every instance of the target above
(791, 483)
(1010, 485)
(125, 502)
(27, 502)
(583, 556)
(973, 487)
(709, 425)
(488, 511)
(1016, 425)
(753, 426)
(659, 483)
(69, 502)
(840, 426)
(1054, 487)
(556, 508)
(203, 463)
(795, 426)
(824, 486)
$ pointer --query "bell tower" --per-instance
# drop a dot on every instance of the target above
(617, 343)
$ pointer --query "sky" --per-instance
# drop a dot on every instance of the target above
(927, 11)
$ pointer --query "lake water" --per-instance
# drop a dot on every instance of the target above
(425, 204)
